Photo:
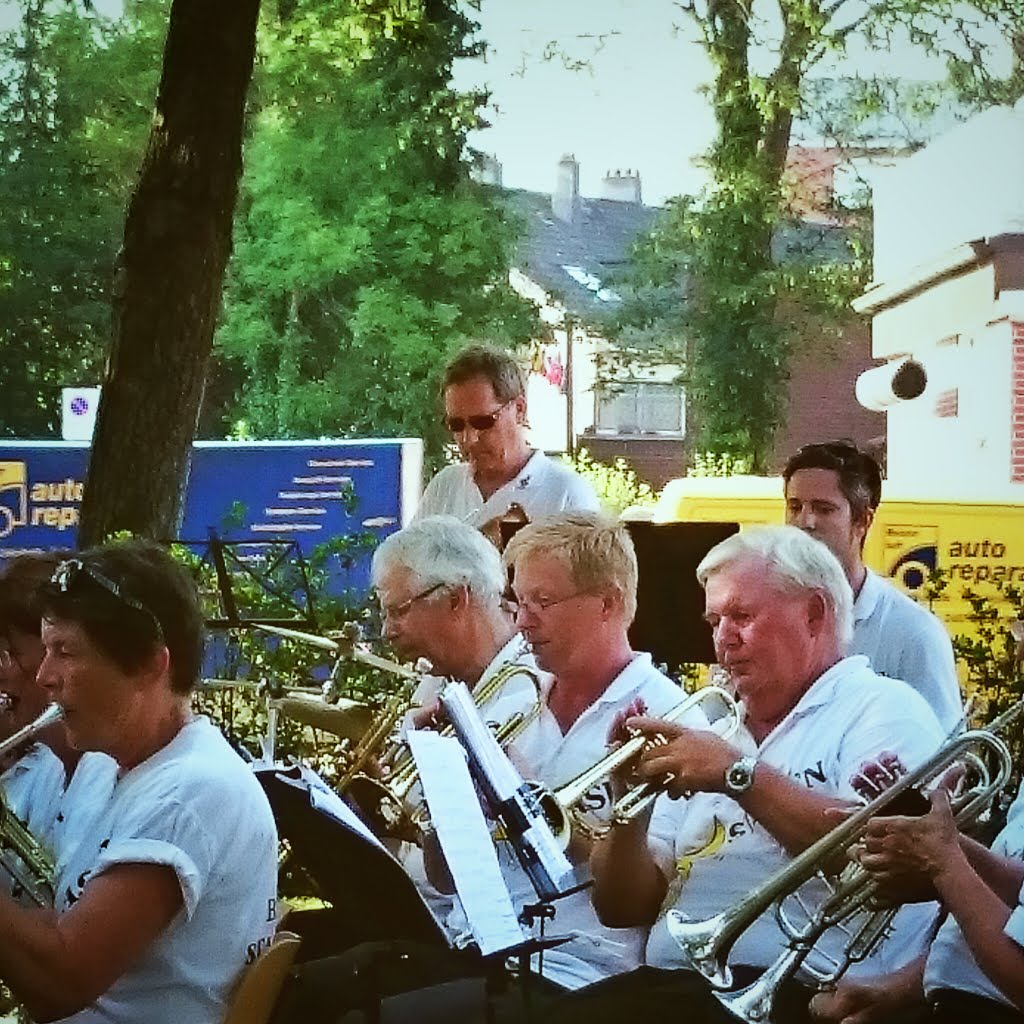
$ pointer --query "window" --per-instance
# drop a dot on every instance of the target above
(639, 407)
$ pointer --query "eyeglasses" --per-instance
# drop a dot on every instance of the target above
(541, 604)
(483, 421)
(399, 610)
(9, 660)
(69, 572)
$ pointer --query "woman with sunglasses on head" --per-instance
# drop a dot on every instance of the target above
(485, 410)
(173, 889)
(50, 786)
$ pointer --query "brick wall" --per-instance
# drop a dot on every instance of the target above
(1017, 405)
(822, 404)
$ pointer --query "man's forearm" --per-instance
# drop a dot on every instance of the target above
(628, 885)
(794, 815)
(982, 916)
(35, 963)
(1003, 875)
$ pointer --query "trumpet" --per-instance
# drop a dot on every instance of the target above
(706, 944)
(386, 799)
(21, 854)
(561, 805)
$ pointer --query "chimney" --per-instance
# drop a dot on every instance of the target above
(486, 169)
(566, 197)
(621, 186)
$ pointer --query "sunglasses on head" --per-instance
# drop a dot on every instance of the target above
(70, 572)
(483, 421)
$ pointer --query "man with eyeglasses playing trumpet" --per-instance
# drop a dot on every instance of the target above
(440, 584)
(832, 492)
(574, 581)
(780, 610)
(173, 889)
(484, 397)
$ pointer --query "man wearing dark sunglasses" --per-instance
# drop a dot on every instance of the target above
(832, 492)
(485, 411)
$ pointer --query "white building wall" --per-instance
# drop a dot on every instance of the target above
(968, 454)
(966, 185)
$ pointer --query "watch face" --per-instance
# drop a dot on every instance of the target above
(740, 776)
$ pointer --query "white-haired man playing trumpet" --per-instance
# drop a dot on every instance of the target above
(780, 610)
(440, 585)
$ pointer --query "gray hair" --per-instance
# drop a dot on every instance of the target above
(796, 562)
(445, 551)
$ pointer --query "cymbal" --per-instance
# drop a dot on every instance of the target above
(296, 634)
(348, 719)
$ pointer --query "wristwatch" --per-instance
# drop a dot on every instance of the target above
(739, 776)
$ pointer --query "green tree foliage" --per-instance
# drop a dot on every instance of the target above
(720, 285)
(363, 252)
(76, 93)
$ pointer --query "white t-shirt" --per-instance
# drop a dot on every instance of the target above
(950, 963)
(714, 853)
(545, 755)
(32, 787)
(197, 808)
(542, 487)
(87, 794)
(903, 640)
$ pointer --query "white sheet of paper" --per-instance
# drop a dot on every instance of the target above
(325, 799)
(465, 841)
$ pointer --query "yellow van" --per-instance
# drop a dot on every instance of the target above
(976, 544)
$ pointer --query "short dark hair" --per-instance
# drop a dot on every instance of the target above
(130, 597)
(22, 581)
(494, 364)
(860, 478)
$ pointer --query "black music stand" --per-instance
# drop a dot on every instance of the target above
(378, 937)
(669, 619)
(371, 896)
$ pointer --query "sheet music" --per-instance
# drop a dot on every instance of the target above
(325, 799)
(465, 840)
(512, 800)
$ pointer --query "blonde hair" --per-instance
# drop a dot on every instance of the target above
(596, 549)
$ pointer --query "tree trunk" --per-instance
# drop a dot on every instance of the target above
(169, 274)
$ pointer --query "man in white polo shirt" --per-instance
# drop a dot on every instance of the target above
(780, 610)
(832, 491)
(485, 409)
(575, 579)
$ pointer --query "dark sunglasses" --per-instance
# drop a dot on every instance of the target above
(70, 572)
(483, 421)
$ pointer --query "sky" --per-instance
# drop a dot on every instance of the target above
(634, 104)
(633, 101)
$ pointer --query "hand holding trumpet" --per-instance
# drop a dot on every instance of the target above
(690, 760)
(908, 850)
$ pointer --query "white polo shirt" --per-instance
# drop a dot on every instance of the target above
(517, 696)
(544, 754)
(713, 853)
(950, 963)
(903, 640)
(542, 487)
